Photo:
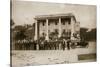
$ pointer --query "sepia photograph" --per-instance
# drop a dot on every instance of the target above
(45, 33)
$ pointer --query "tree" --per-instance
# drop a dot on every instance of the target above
(88, 35)
(83, 33)
(20, 32)
(20, 35)
(54, 35)
(30, 33)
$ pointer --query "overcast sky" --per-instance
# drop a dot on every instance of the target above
(23, 12)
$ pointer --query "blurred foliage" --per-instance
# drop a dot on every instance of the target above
(88, 35)
(21, 32)
(54, 35)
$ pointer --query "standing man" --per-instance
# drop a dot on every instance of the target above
(63, 44)
(68, 44)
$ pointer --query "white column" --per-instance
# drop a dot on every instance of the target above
(59, 27)
(47, 35)
(72, 28)
(35, 38)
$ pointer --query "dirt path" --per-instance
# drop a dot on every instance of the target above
(25, 58)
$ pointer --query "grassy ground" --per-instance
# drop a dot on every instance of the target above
(87, 56)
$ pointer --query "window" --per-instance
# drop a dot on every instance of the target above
(49, 24)
(63, 23)
(69, 33)
(43, 34)
(43, 24)
(56, 23)
(69, 22)
(64, 30)
(56, 31)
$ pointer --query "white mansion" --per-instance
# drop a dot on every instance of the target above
(45, 24)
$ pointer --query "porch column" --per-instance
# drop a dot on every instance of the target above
(59, 27)
(72, 28)
(36, 35)
(47, 35)
(35, 38)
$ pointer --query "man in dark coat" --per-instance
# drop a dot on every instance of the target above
(68, 44)
(63, 44)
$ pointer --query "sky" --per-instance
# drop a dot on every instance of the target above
(23, 12)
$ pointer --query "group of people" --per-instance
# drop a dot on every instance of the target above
(54, 45)
(25, 45)
(42, 44)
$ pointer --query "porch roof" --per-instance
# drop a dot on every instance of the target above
(53, 16)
